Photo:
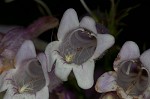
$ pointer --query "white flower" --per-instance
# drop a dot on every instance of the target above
(29, 79)
(14, 36)
(131, 76)
(77, 46)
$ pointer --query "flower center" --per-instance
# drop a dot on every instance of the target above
(30, 80)
(133, 77)
(78, 46)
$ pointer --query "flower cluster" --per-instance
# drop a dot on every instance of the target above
(27, 74)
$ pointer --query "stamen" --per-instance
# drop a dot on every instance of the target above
(128, 69)
(69, 57)
(71, 51)
(25, 87)
(130, 88)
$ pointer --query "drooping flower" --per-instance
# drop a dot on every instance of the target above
(13, 37)
(131, 76)
(77, 46)
(29, 79)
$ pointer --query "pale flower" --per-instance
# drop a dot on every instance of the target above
(77, 46)
(29, 79)
(12, 38)
(131, 76)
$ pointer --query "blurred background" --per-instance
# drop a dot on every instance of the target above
(136, 28)
(128, 20)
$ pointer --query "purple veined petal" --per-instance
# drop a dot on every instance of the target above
(85, 74)
(68, 22)
(18, 34)
(29, 79)
(129, 51)
(145, 59)
(26, 51)
(50, 52)
(41, 25)
(104, 42)
(4, 79)
(12, 42)
(106, 82)
(88, 23)
(3, 85)
(62, 69)
(5, 29)
(43, 94)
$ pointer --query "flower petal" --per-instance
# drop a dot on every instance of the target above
(5, 28)
(3, 85)
(10, 95)
(62, 69)
(29, 96)
(68, 22)
(41, 25)
(84, 74)
(42, 59)
(50, 52)
(26, 51)
(129, 50)
(145, 59)
(104, 42)
(88, 23)
(43, 94)
(106, 82)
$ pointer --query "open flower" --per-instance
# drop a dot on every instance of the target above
(29, 79)
(131, 76)
(14, 36)
(77, 46)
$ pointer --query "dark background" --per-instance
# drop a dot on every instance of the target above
(23, 12)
